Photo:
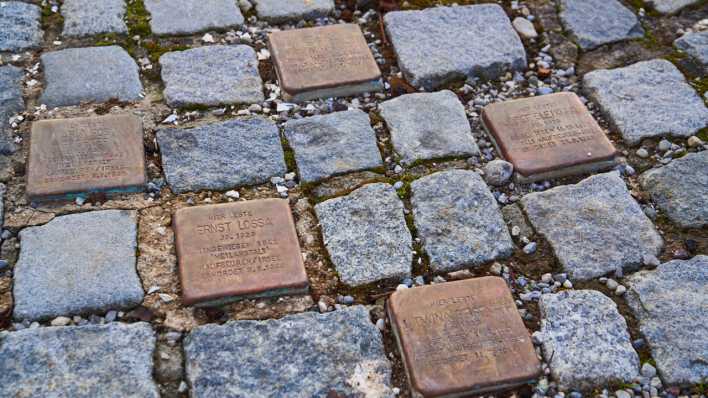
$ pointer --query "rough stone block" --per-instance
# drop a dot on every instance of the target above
(303, 355)
(110, 361)
(366, 236)
(90, 17)
(77, 264)
(279, 11)
(592, 23)
(680, 189)
(221, 156)
(647, 99)
(670, 6)
(595, 227)
(89, 74)
(670, 304)
(458, 220)
(333, 144)
(437, 45)
(428, 126)
(181, 17)
(696, 46)
(10, 103)
(20, 26)
(585, 340)
(212, 76)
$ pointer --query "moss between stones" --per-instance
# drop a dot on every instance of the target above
(703, 134)
(701, 85)
(155, 50)
(649, 41)
(289, 154)
(49, 18)
(138, 19)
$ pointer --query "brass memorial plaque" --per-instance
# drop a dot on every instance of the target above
(69, 157)
(548, 136)
(234, 251)
(321, 62)
(463, 337)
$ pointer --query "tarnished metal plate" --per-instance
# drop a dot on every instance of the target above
(69, 157)
(463, 337)
(238, 250)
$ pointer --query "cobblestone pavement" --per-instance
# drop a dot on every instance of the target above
(443, 239)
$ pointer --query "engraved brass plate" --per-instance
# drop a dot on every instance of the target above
(85, 155)
(322, 57)
(546, 133)
(463, 337)
(238, 250)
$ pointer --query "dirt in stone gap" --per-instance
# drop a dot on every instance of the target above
(156, 262)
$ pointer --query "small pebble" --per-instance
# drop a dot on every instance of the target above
(381, 324)
(111, 316)
(694, 142)
(650, 261)
(642, 153)
(496, 269)
(530, 248)
(323, 307)
(61, 321)
(648, 370)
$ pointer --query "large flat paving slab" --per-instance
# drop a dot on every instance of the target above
(458, 220)
(179, 17)
(11, 102)
(278, 11)
(89, 17)
(303, 355)
(585, 340)
(77, 264)
(366, 236)
(20, 26)
(670, 304)
(111, 361)
(437, 45)
(592, 23)
(89, 74)
(695, 45)
(337, 143)
(426, 126)
(595, 227)
(212, 75)
(221, 156)
(647, 99)
(680, 189)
